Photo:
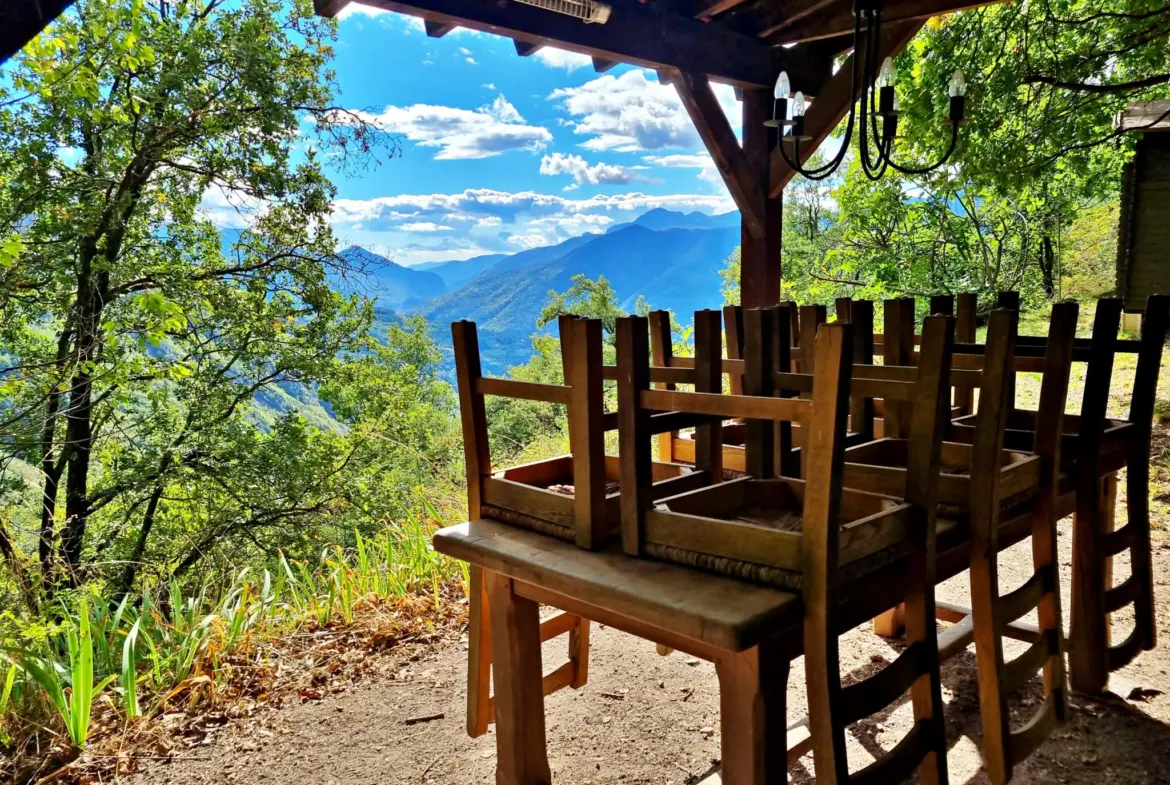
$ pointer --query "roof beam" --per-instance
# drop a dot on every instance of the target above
(833, 102)
(714, 129)
(22, 20)
(789, 14)
(437, 29)
(817, 26)
(705, 9)
(644, 35)
(525, 48)
(601, 66)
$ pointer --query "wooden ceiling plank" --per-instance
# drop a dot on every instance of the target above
(694, 90)
(709, 8)
(789, 14)
(643, 35)
(817, 26)
(329, 8)
(833, 102)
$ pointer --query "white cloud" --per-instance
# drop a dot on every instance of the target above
(494, 208)
(489, 86)
(464, 133)
(424, 226)
(360, 9)
(527, 241)
(701, 161)
(559, 58)
(582, 172)
(229, 209)
(633, 112)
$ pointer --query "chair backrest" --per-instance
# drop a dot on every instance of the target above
(584, 514)
(637, 403)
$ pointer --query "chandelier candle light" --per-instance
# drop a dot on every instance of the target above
(879, 100)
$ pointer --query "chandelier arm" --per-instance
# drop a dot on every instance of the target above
(928, 169)
(825, 171)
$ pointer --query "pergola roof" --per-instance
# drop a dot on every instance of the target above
(21, 20)
(741, 42)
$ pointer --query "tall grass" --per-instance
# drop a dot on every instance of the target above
(147, 650)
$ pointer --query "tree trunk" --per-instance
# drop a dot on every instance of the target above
(1046, 261)
(134, 563)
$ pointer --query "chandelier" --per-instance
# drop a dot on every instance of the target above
(879, 108)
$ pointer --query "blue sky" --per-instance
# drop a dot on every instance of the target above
(502, 153)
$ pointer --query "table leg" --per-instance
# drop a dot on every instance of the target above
(753, 690)
(522, 758)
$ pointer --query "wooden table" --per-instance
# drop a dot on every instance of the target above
(750, 632)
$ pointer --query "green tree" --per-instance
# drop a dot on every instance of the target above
(136, 335)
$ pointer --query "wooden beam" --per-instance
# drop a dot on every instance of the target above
(22, 20)
(789, 14)
(601, 66)
(437, 29)
(760, 267)
(644, 35)
(710, 121)
(525, 48)
(833, 102)
(709, 8)
(817, 26)
(329, 8)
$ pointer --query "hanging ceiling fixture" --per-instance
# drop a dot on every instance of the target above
(585, 10)
(878, 101)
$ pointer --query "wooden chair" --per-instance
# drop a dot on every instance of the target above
(572, 497)
(987, 488)
(1094, 448)
(812, 535)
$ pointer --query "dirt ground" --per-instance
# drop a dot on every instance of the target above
(649, 719)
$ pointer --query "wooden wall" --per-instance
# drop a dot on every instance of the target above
(1143, 253)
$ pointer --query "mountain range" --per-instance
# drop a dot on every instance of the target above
(670, 258)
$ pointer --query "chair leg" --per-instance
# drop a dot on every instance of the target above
(891, 624)
(522, 758)
(479, 656)
(753, 690)
(1089, 629)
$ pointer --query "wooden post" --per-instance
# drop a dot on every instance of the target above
(662, 352)
(479, 655)
(587, 433)
(472, 412)
(761, 273)
(966, 317)
(521, 754)
(1011, 301)
(943, 303)
(733, 329)
(1088, 637)
(634, 429)
(861, 410)
(709, 379)
(787, 460)
(760, 450)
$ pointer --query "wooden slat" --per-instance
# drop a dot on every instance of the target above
(726, 539)
(1025, 741)
(745, 406)
(530, 391)
(633, 349)
(1123, 654)
(820, 26)
(899, 763)
(537, 502)
(709, 380)
(874, 533)
(472, 413)
(871, 695)
(1121, 595)
(956, 638)
(1027, 666)
(587, 434)
(1016, 603)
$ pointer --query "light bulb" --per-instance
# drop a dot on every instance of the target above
(798, 104)
(886, 75)
(958, 85)
(783, 87)
(897, 103)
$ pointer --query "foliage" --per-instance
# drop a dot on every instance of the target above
(166, 644)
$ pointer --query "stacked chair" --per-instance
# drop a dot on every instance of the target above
(822, 473)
